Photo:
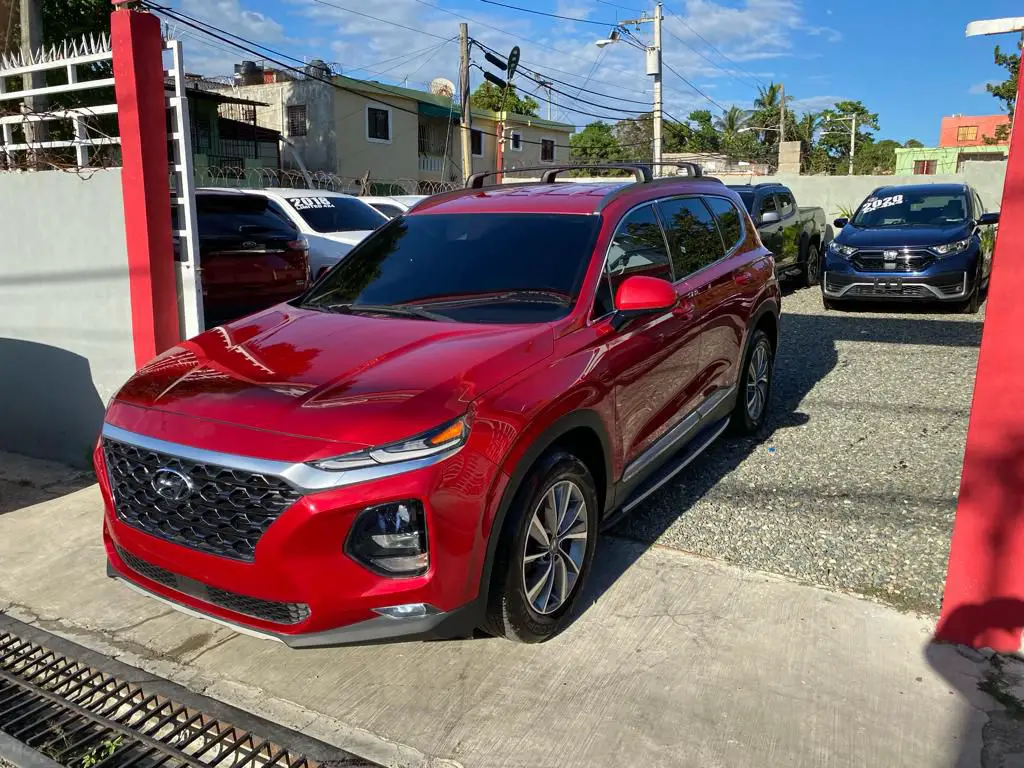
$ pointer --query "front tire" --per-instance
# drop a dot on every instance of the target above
(972, 303)
(751, 410)
(546, 551)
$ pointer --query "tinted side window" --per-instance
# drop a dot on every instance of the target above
(638, 248)
(767, 204)
(692, 234)
(728, 220)
(786, 204)
(979, 206)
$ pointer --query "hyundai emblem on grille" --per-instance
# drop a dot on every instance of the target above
(170, 484)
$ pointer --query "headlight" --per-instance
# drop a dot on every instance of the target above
(444, 438)
(839, 249)
(949, 249)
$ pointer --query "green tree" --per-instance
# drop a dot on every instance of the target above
(835, 138)
(876, 157)
(731, 121)
(489, 96)
(1006, 91)
(912, 144)
(636, 137)
(704, 136)
(70, 19)
(595, 144)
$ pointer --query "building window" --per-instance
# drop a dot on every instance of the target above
(516, 141)
(547, 150)
(967, 133)
(925, 167)
(296, 120)
(378, 124)
(476, 141)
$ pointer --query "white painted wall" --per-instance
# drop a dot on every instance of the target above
(65, 313)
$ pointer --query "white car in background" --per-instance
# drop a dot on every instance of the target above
(332, 223)
(395, 205)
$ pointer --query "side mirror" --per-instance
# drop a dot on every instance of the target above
(770, 217)
(988, 218)
(841, 222)
(640, 295)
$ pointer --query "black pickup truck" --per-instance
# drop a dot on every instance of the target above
(794, 234)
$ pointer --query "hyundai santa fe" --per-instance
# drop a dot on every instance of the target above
(430, 438)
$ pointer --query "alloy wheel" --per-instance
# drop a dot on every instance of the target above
(556, 543)
(757, 381)
(813, 265)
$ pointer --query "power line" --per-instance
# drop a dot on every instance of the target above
(713, 48)
(550, 15)
(622, 7)
(585, 101)
(378, 18)
(243, 45)
(671, 69)
(711, 61)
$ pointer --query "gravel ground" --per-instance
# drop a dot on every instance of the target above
(854, 485)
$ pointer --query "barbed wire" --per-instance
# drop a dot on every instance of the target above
(261, 178)
(26, 151)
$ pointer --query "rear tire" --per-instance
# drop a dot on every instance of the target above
(542, 560)
(755, 386)
(812, 266)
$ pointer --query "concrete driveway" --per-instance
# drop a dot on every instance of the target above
(676, 660)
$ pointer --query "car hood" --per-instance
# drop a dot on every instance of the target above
(345, 378)
(901, 237)
(348, 238)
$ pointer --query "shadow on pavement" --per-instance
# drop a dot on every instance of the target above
(807, 354)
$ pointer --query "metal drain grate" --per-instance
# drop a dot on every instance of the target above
(83, 717)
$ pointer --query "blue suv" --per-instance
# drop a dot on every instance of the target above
(920, 242)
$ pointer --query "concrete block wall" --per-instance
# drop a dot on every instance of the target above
(65, 312)
(835, 192)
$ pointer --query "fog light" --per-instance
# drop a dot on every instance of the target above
(391, 539)
(407, 611)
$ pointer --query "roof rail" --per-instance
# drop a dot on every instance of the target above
(640, 173)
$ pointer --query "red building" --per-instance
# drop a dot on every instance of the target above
(968, 131)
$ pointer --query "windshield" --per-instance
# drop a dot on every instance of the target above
(476, 268)
(387, 209)
(912, 207)
(337, 214)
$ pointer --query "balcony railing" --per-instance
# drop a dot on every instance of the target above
(432, 163)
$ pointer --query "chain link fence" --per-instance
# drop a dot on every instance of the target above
(259, 178)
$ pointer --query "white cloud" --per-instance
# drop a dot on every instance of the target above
(979, 89)
(814, 103)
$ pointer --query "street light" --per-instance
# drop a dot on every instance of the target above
(653, 68)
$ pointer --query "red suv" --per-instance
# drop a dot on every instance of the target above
(429, 439)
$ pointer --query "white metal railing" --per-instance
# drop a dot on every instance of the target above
(67, 57)
(432, 163)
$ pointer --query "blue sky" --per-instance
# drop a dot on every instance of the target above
(908, 60)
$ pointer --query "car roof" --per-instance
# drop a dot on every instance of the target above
(560, 197)
(290, 192)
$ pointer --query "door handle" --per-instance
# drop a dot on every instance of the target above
(743, 278)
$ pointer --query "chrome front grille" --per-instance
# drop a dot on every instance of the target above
(904, 261)
(223, 511)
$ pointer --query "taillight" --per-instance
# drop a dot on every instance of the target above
(302, 246)
(298, 245)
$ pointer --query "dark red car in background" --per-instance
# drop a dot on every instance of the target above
(430, 438)
(250, 256)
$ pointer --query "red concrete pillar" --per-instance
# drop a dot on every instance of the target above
(984, 599)
(142, 116)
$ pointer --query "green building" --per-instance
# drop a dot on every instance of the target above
(928, 161)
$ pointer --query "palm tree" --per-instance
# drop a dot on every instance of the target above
(768, 97)
(731, 121)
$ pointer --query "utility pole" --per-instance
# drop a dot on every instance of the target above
(467, 119)
(782, 116)
(658, 15)
(853, 140)
(31, 41)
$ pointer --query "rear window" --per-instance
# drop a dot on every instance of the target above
(747, 196)
(728, 218)
(231, 215)
(337, 214)
(388, 210)
(482, 268)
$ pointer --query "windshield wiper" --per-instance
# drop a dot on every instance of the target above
(378, 309)
(524, 295)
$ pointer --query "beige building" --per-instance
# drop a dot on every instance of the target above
(357, 127)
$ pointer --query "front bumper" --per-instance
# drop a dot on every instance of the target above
(951, 279)
(299, 586)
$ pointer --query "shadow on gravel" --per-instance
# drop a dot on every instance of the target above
(807, 354)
